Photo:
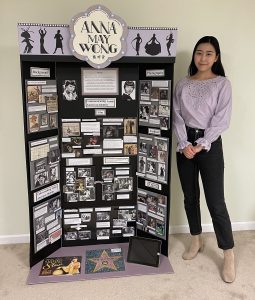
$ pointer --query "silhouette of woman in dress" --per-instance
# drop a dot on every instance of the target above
(26, 35)
(138, 40)
(170, 41)
(153, 46)
(42, 35)
(59, 38)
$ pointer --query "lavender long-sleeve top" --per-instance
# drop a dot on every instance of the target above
(204, 104)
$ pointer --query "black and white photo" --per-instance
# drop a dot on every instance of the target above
(128, 90)
(69, 90)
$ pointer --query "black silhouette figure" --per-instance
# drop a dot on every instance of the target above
(153, 46)
(42, 35)
(26, 35)
(170, 41)
(138, 40)
(59, 38)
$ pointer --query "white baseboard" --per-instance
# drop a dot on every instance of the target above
(14, 239)
(237, 226)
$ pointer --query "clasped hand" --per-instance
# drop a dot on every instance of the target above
(190, 151)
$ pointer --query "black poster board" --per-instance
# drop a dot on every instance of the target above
(98, 157)
(129, 69)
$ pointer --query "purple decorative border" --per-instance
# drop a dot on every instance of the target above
(45, 39)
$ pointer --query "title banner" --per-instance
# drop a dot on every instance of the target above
(98, 36)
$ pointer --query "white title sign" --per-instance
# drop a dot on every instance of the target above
(98, 36)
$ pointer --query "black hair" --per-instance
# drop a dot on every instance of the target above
(217, 67)
(70, 82)
(129, 83)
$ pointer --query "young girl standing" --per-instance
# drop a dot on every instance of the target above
(202, 110)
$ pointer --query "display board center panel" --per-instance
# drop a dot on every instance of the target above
(98, 128)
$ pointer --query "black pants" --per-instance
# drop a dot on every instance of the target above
(211, 167)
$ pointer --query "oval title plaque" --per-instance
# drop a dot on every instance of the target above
(98, 36)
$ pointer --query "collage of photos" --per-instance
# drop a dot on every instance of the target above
(116, 183)
(99, 223)
(153, 157)
(79, 184)
(47, 219)
(154, 103)
(42, 105)
(151, 213)
(101, 136)
(44, 162)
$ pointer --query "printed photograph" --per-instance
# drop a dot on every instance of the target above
(154, 94)
(123, 184)
(52, 103)
(130, 149)
(70, 129)
(41, 179)
(164, 123)
(70, 177)
(119, 223)
(151, 167)
(91, 141)
(163, 94)
(44, 120)
(141, 164)
(69, 90)
(145, 87)
(54, 176)
(154, 111)
(88, 194)
(85, 217)
(33, 122)
(74, 197)
(162, 171)
(103, 216)
(111, 131)
(53, 120)
(107, 175)
(128, 90)
(40, 165)
(33, 93)
(130, 126)
(103, 232)
(107, 187)
(84, 172)
(108, 197)
(84, 235)
(144, 112)
(70, 235)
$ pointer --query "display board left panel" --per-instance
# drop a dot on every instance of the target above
(40, 107)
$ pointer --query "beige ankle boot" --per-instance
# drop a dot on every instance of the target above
(228, 271)
(195, 247)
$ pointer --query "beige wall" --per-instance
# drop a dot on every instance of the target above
(232, 21)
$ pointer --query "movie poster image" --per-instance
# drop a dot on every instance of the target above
(56, 266)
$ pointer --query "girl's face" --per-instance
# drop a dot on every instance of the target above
(204, 57)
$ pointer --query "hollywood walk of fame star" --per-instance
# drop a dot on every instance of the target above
(104, 261)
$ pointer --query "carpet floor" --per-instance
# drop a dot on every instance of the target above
(198, 279)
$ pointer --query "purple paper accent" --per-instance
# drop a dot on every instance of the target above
(130, 268)
(28, 34)
(49, 38)
(146, 34)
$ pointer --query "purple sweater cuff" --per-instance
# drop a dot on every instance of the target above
(182, 145)
(203, 142)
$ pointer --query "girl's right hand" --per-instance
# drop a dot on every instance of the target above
(189, 151)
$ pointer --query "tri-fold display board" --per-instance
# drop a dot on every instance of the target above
(97, 131)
